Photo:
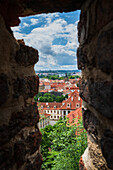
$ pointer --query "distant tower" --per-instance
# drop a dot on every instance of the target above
(66, 77)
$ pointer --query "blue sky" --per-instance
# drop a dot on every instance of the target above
(54, 35)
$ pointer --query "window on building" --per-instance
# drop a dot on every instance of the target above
(79, 98)
(54, 106)
(51, 116)
(51, 111)
(41, 106)
(55, 117)
(58, 117)
(77, 105)
(68, 111)
(68, 105)
(54, 111)
(64, 112)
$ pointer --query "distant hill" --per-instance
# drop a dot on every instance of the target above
(58, 71)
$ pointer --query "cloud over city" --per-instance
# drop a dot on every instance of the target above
(54, 36)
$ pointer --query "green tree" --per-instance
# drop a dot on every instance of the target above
(71, 77)
(35, 98)
(50, 99)
(62, 145)
(41, 99)
(58, 99)
(66, 96)
(45, 99)
(53, 97)
(47, 95)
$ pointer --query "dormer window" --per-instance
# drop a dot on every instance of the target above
(68, 105)
(77, 105)
(79, 98)
(47, 106)
(54, 106)
(41, 106)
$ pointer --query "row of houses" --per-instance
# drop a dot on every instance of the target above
(53, 111)
(73, 118)
(57, 85)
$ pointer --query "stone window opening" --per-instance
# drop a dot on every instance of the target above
(19, 82)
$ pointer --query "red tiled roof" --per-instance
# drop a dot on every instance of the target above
(74, 116)
(72, 80)
(41, 84)
(46, 83)
(45, 91)
(57, 85)
(50, 104)
(73, 100)
(41, 112)
(47, 115)
(74, 87)
(66, 91)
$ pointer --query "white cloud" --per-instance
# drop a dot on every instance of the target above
(34, 21)
(25, 25)
(68, 67)
(18, 35)
(16, 29)
(42, 38)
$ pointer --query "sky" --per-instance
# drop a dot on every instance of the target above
(54, 35)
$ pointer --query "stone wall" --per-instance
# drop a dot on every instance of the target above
(95, 59)
(19, 136)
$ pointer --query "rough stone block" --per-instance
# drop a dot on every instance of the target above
(104, 51)
(36, 164)
(33, 141)
(6, 154)
(99, 94)
(19, 154)
(29, 116)
(26, 86)
(4, 89)
(107, 147)
(81, 164)
(26, 55)
(82, 27)
(104, 13)
(91, 124)
(82, 58)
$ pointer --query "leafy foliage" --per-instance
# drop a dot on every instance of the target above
(48, 97)
(62, 145)
(56, 77)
